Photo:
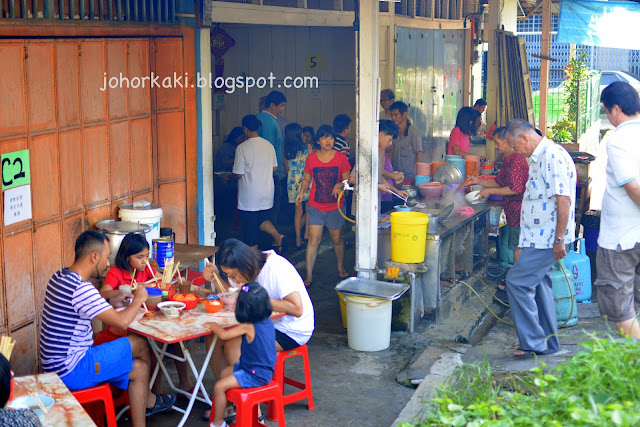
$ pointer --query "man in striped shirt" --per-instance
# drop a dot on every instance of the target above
(66, 337)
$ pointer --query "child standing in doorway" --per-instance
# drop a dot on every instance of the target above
(296, 152)
(328, 168)
(257, 351)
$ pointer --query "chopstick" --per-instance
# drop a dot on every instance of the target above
(216, 277)
(466, 181)
(134, 286)
(38, 402)
(6, 346)
(152, 274)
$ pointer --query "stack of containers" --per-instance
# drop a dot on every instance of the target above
(423, 169)
(458, 162)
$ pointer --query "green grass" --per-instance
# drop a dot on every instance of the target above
(598, 386)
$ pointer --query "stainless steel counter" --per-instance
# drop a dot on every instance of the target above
(449, 250)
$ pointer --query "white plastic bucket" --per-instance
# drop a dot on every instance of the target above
(145, 213)
(368, 323)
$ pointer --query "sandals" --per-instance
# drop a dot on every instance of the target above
(184, 397)
(284, 245)
(164, 402)
(527, 353)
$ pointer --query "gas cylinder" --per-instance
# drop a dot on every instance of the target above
(578, 266)
(564, 296)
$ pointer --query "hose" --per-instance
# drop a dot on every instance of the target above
(346, 217)
(573, 297)
(340, 210)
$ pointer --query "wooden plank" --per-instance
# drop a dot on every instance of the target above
(527, 82)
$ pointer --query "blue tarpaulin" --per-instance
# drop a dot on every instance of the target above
(600, 23)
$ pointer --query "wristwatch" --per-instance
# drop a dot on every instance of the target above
(558, 240)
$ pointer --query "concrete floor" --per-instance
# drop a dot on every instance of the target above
(350, 387)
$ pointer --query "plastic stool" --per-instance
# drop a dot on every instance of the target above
(306, 390)
(247, 401)
(99, 393)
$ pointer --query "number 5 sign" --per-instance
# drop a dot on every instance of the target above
(15, 169)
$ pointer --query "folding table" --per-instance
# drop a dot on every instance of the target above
(178, 330)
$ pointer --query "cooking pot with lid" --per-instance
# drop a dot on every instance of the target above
(116, 230)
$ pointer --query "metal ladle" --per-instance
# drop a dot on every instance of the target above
(406, 201)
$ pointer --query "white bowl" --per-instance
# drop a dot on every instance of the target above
(471, 198)
(27, 402)
(139, 316)
(171, 308)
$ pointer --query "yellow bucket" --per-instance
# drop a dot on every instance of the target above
(343, 309)
(408, 236)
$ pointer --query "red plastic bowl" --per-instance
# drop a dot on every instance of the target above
(199, 281)
(431, 190)
(189, 304)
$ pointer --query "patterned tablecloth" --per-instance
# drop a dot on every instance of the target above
(66, 411)
(190, 324)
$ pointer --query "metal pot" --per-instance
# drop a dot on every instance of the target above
(116, 230)
(411, 190)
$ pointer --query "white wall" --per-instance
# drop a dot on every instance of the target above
(282, 50)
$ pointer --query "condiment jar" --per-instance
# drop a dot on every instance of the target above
(154, 298)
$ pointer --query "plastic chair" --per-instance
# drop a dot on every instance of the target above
(247, 401)
(99, 393)
(306, 390)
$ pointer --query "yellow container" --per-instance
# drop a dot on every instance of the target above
(408, 236)
(343, 309)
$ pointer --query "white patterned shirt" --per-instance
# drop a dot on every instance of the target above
(551, 172)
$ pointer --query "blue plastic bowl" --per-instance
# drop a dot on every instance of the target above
(402, 208)
(422, 179)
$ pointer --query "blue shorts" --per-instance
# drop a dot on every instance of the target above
(110, 362)
(245, 379)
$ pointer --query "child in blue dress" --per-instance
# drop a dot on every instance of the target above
(257, 352)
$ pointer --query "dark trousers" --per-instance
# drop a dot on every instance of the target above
(277, 200)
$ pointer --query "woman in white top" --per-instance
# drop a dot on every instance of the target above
(243, 264)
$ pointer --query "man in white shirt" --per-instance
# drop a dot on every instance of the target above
(618, 259)
(254, 165)
(547, 224)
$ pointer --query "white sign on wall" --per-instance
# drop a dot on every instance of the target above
(17, 204)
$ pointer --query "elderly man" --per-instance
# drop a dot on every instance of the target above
(547, 224)
(387, 97)
(66, 343)
(618, 259)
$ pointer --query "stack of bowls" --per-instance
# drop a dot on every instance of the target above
(423, 169)
(431, 190)
(421, 179)
(469, 167)
(473, 158)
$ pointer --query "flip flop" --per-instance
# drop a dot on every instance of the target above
(184, 397)
(164, 402)
(527, 353)
(307, 283)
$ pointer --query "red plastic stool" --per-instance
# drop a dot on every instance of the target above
(99, 393)
(306, 390)
(247, 401)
